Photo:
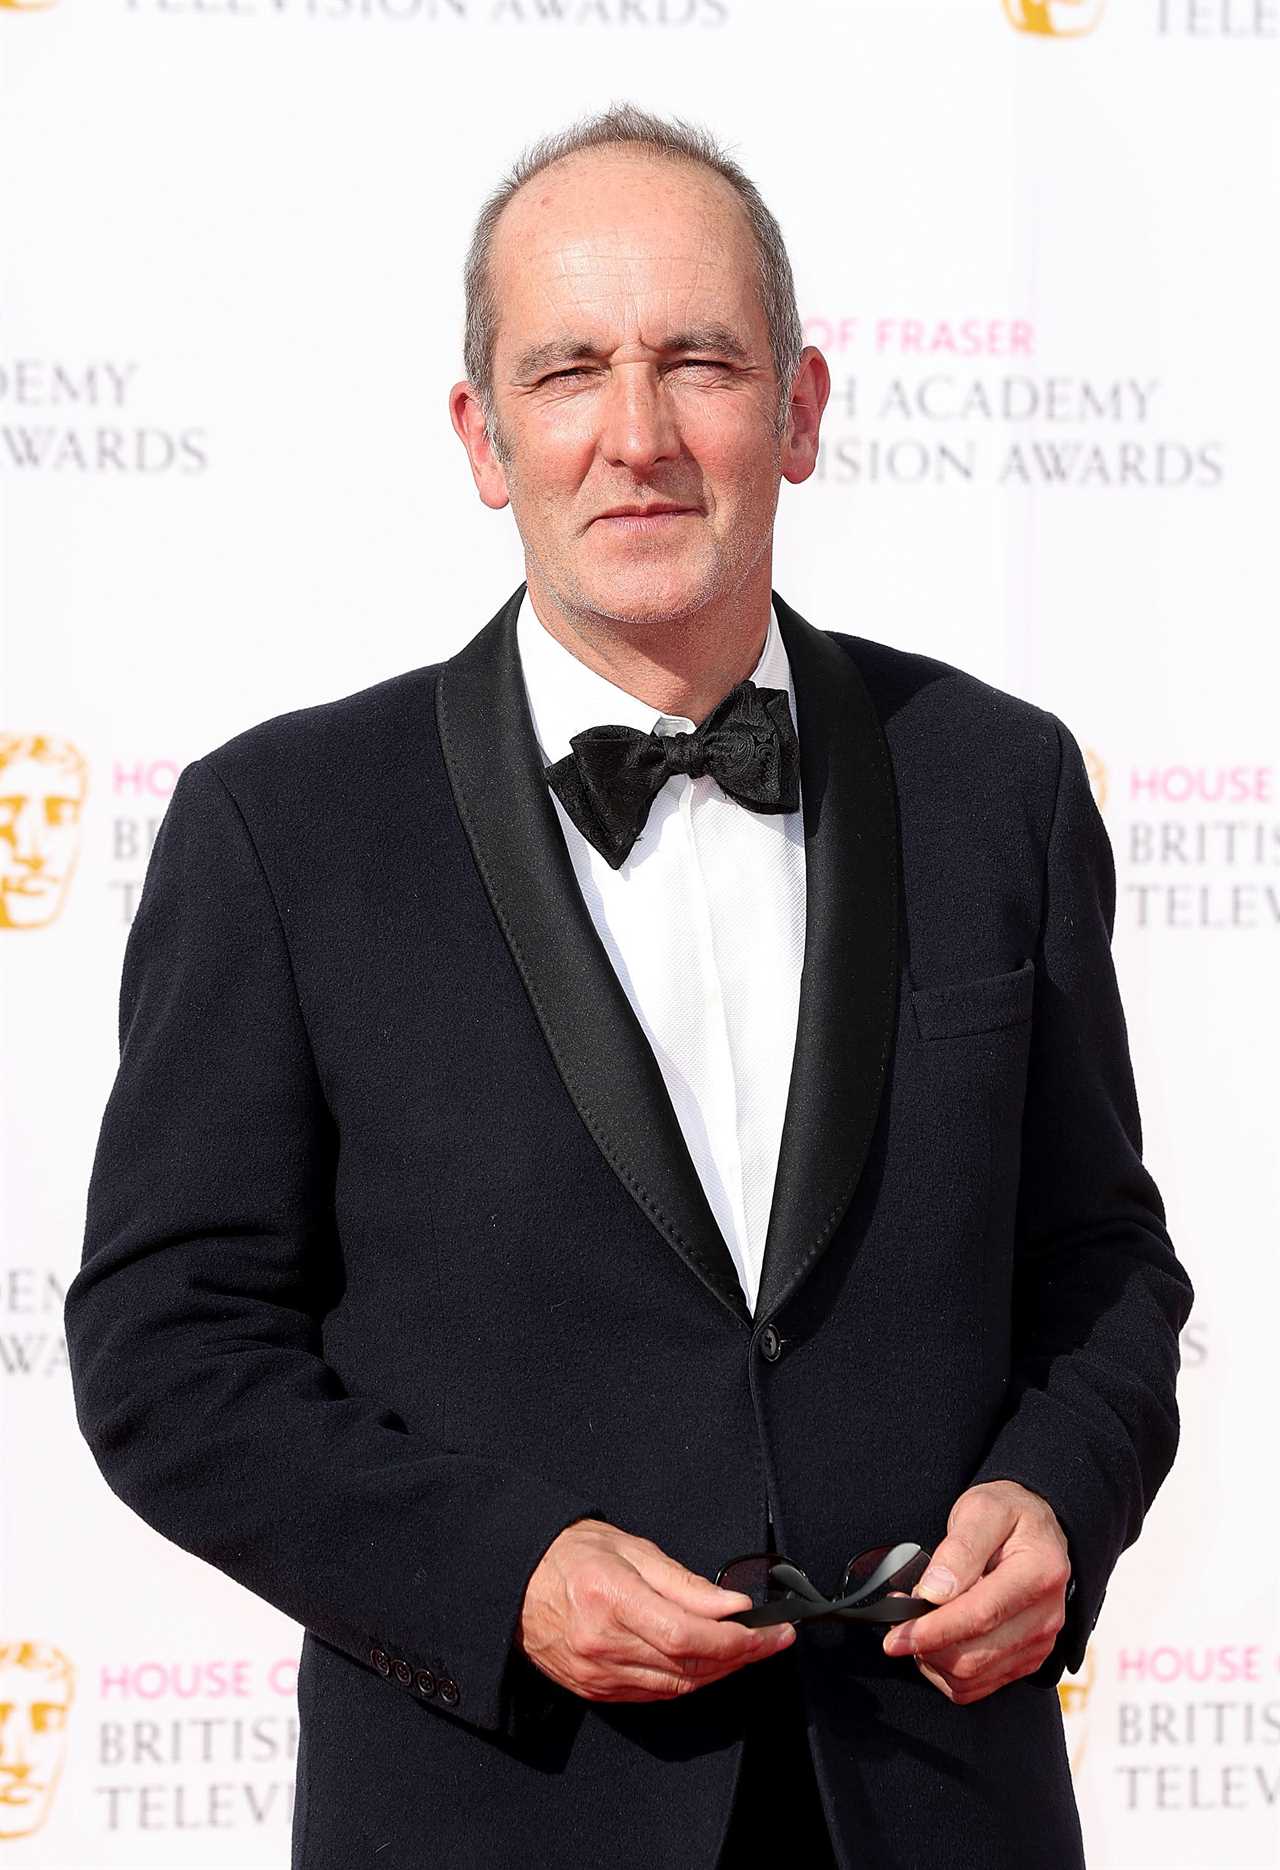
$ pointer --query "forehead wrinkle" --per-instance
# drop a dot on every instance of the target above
(568, 260)
(595, 289)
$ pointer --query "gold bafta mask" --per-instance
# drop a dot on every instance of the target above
(1054, 19)
(37, 1683)
(1097, 771)
(25, 6)
(43, 781)
(1073, 1699)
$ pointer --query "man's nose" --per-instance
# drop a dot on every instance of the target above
(639, 425)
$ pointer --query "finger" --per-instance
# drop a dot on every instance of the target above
(944, 1684)
(625, 1621)
(982, 1654)
(680, 1635)
(622, 1663)
(608, 1657)
(673, 1580)
(1000, 1594)
(966, 1686)
(701, 1671)
(655, 1684)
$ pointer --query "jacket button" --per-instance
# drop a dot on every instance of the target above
(447, 1689)
(381, 1661)
(770, 1344)
(424, 1681)
(403, 1672)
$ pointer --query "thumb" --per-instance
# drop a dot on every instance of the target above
(955, 1565)
(940, 1583)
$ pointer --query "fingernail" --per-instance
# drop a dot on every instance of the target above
(938, 1581)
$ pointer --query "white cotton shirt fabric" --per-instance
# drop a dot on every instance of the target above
(704, 923)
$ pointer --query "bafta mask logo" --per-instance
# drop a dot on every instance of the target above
(37, 1684)
(1054, 19)
(43, 781)
(1097, 771)
(1073, 1699)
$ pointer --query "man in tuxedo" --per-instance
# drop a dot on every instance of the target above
(696, 1120)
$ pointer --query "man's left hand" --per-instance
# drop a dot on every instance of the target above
(1000, 1578)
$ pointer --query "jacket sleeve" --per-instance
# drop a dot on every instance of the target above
(193, 1328)
(1099, 1298)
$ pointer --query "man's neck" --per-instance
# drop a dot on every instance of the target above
(685, 666)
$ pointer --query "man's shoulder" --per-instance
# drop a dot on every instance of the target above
(952, 735)
(902, 681)
(358, 731)
(944, 724)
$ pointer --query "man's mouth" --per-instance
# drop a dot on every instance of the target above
(653, 519)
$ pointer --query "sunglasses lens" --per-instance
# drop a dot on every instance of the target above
(885, 1568)
(752, 1576)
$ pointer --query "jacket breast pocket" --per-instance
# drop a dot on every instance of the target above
(984, 1004)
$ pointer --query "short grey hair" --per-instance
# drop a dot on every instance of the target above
(677, 140)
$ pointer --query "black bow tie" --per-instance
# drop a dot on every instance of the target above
(747, 743)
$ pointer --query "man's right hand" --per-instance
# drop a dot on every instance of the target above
(612, 1618)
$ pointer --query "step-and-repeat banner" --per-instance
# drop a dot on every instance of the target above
(1037, 242)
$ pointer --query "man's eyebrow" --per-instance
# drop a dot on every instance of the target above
(716, 338)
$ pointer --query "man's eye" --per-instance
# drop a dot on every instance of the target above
(697, 363)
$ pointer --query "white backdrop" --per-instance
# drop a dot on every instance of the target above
(1038, 244)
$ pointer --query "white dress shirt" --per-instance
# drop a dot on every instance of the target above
(704, 924)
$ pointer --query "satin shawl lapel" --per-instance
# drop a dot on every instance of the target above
(848, 985)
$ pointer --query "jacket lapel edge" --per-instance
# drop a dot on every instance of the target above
(850, 975)
(598, 1045)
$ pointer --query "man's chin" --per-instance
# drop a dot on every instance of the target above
(647, 594)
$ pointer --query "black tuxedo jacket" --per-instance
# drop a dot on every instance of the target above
(396, 1262)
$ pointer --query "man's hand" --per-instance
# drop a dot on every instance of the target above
(1001, 1577)
(611, 1617)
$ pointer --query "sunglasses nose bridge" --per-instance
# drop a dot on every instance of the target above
(793, 1579)
(904, 1564)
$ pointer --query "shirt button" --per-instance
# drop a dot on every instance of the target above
(770, 1344)
(381, 1661)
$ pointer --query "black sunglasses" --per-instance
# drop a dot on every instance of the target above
(781, 1593)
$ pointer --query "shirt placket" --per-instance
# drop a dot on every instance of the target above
(724, 1127)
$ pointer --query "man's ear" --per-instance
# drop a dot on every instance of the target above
(809, 392)
(467, 417)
